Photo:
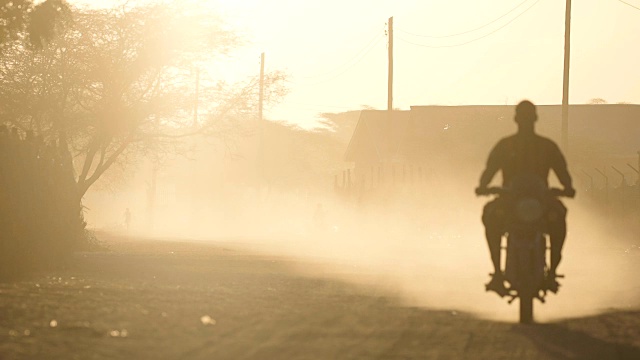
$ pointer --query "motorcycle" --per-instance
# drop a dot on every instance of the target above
(527, 249)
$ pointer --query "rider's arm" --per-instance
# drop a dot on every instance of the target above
(559, 166)
(493, 165)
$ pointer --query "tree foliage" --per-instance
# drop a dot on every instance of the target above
(41, 217)
(118, 83)
(40, 20)
(318, 154)
(597, 101)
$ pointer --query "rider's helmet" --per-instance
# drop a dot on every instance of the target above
(526, 112)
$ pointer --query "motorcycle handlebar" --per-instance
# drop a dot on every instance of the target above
(491, 191)
(570, 193)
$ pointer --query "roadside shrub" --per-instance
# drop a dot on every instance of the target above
(40, 214)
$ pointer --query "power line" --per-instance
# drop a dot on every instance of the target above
(468, 31)
(626, 3)
(345, 70)
(476, 39)
(314, 106)
(365, 50)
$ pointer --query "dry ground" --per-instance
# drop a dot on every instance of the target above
(148, 299)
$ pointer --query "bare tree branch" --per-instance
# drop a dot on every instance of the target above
(88, 161)
(82, 189)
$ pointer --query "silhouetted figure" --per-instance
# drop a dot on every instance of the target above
(127, 218)
(525, 154)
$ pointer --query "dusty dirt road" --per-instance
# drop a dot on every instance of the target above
(149, 299)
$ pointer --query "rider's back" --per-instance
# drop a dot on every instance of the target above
(529, 154)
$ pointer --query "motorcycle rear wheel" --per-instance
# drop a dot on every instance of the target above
(526, 309)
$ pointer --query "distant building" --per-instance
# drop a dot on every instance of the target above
(428, 140)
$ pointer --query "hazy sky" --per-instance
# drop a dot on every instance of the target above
(335, 51)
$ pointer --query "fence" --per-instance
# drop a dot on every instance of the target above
(617, 194)
(609, 189)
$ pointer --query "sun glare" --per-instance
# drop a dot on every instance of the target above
(235, 4)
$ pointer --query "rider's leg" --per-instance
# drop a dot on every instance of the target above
(493, 232)
(493, 240)
(557, 233)
(492, 217)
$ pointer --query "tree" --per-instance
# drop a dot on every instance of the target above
(318, 156)
(18, 15)
(597, 101)
(117, 83)
(343, 124)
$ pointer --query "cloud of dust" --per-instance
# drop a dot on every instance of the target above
(420, 240)
(424, 244)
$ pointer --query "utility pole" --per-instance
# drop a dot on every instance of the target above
(390, 87)
(261, 156)
(194, 149)
(390, 81)
(565, 83)
(261, 88)
(196, 102)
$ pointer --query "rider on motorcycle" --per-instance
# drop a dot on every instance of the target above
(524, 154)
